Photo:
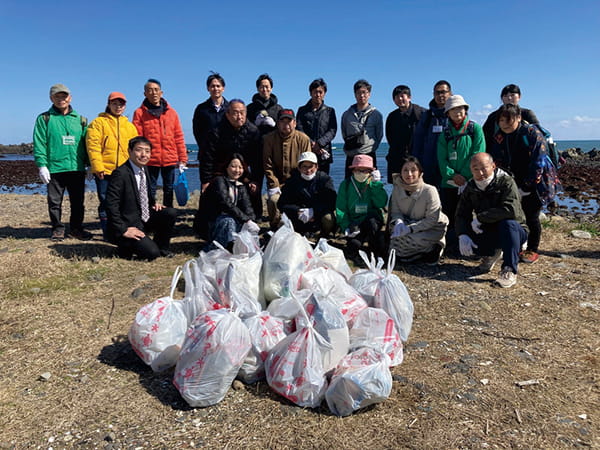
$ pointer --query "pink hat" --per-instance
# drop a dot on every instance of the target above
(362, 162)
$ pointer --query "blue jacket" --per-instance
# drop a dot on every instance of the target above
(425, 139)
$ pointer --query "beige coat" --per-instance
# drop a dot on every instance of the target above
(280, 155)
(422, 212)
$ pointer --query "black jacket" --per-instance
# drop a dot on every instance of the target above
(399, 129)
(216, 201)
(206, 118)
(258, 104)
(122, 201)
(317, 193)
(226, 140)
(319, 125)
(490, 127)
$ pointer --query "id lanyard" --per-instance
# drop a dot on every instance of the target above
(360, 207)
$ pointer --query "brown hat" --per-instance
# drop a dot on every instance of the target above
(116, 95)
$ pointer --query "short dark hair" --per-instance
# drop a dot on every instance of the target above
(232, 101)
(319, 82)
(508, 111)
(510, 89)
(401, 89)
(414, 160)
(362, 84)
(439, 83)
(153, 80)
(138, 140)
(215, 76)
(264, 76)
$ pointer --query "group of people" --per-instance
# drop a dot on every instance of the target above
(480, 187)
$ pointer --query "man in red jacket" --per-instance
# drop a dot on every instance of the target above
(159, 123)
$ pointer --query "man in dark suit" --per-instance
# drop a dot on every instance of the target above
(132, 211)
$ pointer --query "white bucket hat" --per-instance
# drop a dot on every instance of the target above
(455, 101)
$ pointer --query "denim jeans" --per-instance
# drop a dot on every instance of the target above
(101, 187)
(507, 235)
(221, 230)
(168, 179)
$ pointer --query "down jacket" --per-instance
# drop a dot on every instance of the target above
(106, 140)
(162, 127)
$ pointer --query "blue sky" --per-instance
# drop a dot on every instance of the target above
(550, 48)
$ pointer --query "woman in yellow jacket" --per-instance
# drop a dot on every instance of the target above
(106, 139)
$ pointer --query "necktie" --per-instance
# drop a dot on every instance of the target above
(143, 193)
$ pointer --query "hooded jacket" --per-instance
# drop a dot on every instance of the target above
(490, 127)
(320, 125)
(107, 139)
(52, 144)
(425, 138)
(259, 104)
(373, 126)
(163, 130)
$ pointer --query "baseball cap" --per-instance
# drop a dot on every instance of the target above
(59, 87)
(289, 113)
(308, 156)
(115, 95)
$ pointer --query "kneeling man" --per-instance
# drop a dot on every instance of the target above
(490, 220)
(132, 211)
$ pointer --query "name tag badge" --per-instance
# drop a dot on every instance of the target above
(453, 156)
(68, 140)
(437, 128)
(361, 208)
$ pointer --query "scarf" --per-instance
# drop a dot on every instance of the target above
(410, 188)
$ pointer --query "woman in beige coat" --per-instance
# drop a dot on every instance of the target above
(417, 225)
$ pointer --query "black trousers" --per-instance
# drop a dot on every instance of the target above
(74, 183)
(370, 231)
(161, 224)
(532, 205)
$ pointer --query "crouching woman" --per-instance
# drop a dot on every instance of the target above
(417, 225)
(226, 204)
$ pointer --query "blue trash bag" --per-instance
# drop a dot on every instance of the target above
(180, 187)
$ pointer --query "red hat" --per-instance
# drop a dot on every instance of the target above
(362, 162)
(115, 95)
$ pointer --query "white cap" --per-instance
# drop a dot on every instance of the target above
(308, 156)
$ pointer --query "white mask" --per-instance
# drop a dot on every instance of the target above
(308, 177)
(360, 176)
(484, 183)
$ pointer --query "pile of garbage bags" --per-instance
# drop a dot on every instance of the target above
(294, 315)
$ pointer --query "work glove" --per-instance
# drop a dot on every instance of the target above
(182, 167)
(522, 193)
(305, 214)
(350, 233)
(252, 227)
(400, 229)
(271, 192)
(466, 245)
(376, 175)
(45, 175)
(476, 225)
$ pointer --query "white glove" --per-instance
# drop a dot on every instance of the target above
(305, 214)
(400, 229)
(476, 225)
(269, 121)
(351, 234)
(376, 175)
(462, 188)
(45, 175)
(264, 120)
(466, 245)
(89, 175)
(522, 193)
(182, 167)
(273, 191)
(252, 227)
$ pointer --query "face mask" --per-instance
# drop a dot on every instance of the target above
(484, 183)
(360, 176)
(307, 177)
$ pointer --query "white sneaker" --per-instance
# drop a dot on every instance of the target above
(488, 262)
(507, 278)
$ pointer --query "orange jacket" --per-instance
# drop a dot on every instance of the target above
(165, 133)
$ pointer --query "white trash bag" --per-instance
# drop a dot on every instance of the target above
(332, 257)
(214, 349)
(365, 281)
(374, 328)
(361, 379)
(158, 330)
(287, 255)
(392, 296)
(265, 332)
(246, 242)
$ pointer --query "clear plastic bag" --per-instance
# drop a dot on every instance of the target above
(214, 349)
(392, 296)
(374, 328)
(361, 379)
(365, 281)
(246, 242)
(332, 257)
(158, 330)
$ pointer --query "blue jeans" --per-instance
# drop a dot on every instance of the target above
(507, 235)
(101, 187)
(221, 230)
(168, 179)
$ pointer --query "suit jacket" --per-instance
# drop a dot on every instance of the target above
(122, 201)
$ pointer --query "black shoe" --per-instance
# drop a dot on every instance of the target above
(82, 235)
(57, 235)
(167, 254)
(432, 257)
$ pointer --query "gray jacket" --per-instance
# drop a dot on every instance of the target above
(353, 124)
